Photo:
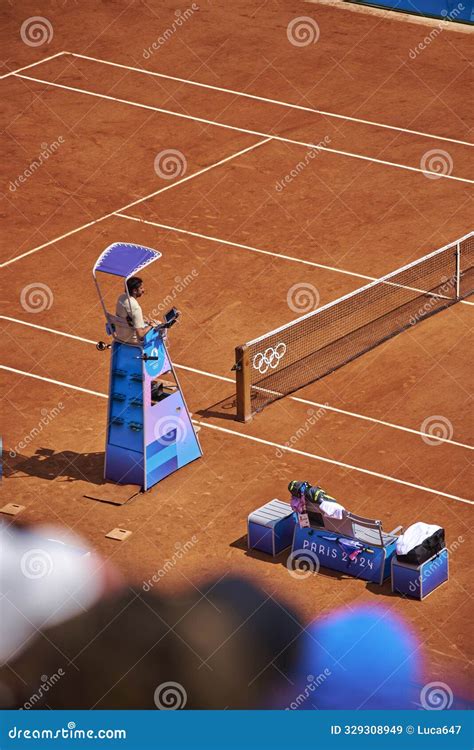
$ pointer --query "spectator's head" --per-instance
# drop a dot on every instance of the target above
(135, 286)
(227, 645)
(365, 657)
(47, 576)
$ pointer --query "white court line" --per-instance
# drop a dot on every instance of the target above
(272, 101)
(262, 441)
(258, 250)
(206, 374)
(32, 65)
(135, 203)
(244, 247)
(247, 131)
(55, 382)
(333, 461)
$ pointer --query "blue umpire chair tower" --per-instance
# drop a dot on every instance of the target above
(149, 429)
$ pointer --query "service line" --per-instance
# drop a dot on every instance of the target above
(135, 203)
(261, 441)
(32, 65)
(248, 131)
(252, 249)
(225, 379)
(268, 100)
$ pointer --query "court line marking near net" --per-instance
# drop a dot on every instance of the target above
(268, 100)
(135, 203)
(225, 379)
(255, 249)
(32, 65)
(269, 443)
(247, 131)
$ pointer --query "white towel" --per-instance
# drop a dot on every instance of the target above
(333, 510)
(414, 535)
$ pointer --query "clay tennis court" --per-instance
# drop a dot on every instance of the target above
(240, 225)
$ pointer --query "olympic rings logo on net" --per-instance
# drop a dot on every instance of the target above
(270, 358)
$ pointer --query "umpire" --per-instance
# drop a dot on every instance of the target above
(135, 326)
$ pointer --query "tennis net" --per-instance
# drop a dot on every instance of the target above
(314, 345)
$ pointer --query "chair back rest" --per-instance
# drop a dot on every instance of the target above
(365, 530)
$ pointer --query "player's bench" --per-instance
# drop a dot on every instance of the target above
(353, 545)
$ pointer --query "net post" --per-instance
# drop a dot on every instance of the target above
(458, 270)
(242, 382)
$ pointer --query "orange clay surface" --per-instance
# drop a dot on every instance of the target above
(357, 218)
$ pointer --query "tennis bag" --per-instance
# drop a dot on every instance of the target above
(308, 498)
(420, 542)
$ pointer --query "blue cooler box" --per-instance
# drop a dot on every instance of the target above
(418, 581)
(270, 528)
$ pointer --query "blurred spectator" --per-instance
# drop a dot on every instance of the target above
(362, 658)
(227, 646)
(47, 575)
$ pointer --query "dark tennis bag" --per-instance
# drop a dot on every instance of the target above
(428, 548)
(313, 496)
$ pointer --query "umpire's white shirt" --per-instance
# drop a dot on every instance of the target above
(128, 308)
